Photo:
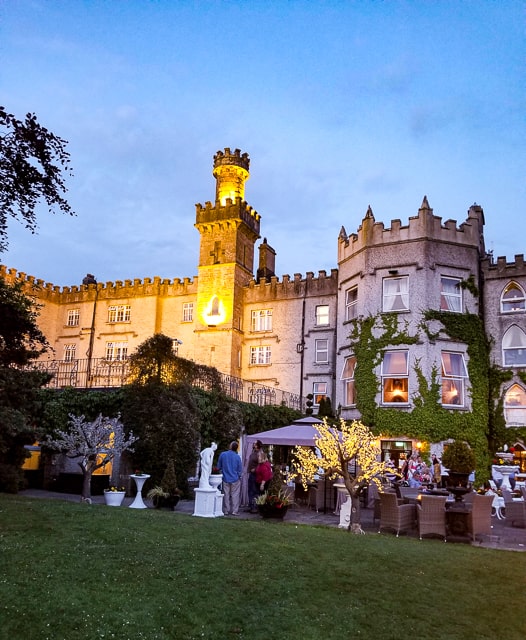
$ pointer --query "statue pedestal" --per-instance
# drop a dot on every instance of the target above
(208, 503)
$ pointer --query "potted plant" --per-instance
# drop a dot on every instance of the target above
(460, 461)
(167, 494)
(113, 496)
(274, 503)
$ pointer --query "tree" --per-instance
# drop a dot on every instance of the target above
(350, 452)
(95, 444)
(20, 343)
(31, 163)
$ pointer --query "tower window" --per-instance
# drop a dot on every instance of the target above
(395, 374)
(322, 351)
(513, 298)
(119, 313)
(514, 347)
(454, 375)
(73, 318)
(351, 303)
(260, 355)
(322, 315)
(188, 311)
(450, 294)
(396, 294)
(261, 320)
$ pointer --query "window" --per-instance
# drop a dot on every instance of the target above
(319, 391)
(119, 313)
(351, 298)
(322, 351)
(515, 406)
(188, 311)
(260, 355)
(396, 294)
(322, 315)
(70, 351)
(261, 320)
(395, 377)
(116, 350)
(73, 318)
(454, 375)
(512, 298)
(514, 347)
(347, 378)
(450, 294)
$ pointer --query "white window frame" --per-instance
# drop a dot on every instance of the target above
(454, 376)
(395, 377)
(319, 391)
(347, 377)
(514, 347)
(351, 303)
(321, 351)
(395, 294)
(515, 406)
(261, 320)
(70, 352)
(116, 351)
(73, 318)
(322, 315)
(119, 313)
(260, 355)
(188, 311)
(513, 304)
(450, 294)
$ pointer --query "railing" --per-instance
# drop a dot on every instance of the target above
(99, 373)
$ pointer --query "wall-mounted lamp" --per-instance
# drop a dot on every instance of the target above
(299, 347)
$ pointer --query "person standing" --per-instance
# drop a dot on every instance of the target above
(263, 472)
(251, 469)
(230, 464)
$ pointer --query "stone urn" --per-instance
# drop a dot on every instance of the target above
(114, 498)
(215, 479)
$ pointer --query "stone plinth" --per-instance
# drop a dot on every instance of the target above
(208, 503)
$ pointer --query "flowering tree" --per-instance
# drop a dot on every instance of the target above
(350, 451)
(93, 443)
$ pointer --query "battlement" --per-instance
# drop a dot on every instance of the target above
(228, 158)
(118, 289)
(501, 268)
(293, 287)
(424, 226)
(236, 209)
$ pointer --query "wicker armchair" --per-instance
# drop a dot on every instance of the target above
(479, 518)
(431, 513)
(408, 492)
(515, 510)
(399, 517)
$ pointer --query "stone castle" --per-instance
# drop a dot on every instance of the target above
(292, 335)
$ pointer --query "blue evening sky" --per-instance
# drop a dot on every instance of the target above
(340, 104)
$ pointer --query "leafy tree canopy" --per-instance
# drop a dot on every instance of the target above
(32, 160)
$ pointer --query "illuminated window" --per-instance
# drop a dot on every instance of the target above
(347, 378)
(188, 311)
(119, 313)
(319, 391)
(261, 320)
(396, 294)
(116, 350)
(322, 351)
(513, 298)
(70, 351)
(515, 406)
(395, 375)
(73, 318)
(450, 294)
(514, 347)
(454, 375)
(260, 355)
(351, 300)
(322, 315)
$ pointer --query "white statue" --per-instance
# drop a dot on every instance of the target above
(207, 457)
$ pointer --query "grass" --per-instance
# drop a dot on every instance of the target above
(70, 571)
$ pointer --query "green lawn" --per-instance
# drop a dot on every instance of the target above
(70, 571)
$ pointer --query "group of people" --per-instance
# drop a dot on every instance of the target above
(416, 472)
(229, 464)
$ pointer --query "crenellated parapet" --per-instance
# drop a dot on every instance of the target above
(424, 226)
(295, 287)
(228, 158)
(119, 289)
(501, 268)
(210, 217)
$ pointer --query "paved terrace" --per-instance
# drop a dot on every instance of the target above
(502, 537)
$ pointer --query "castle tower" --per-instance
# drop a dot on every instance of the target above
(229, 230)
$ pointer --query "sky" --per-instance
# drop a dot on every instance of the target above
(339, 104)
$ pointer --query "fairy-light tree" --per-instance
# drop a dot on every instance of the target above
(93, 444)
(349, 451)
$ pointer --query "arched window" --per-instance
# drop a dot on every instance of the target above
(513, 298)
(515, 406)
(514, 347)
